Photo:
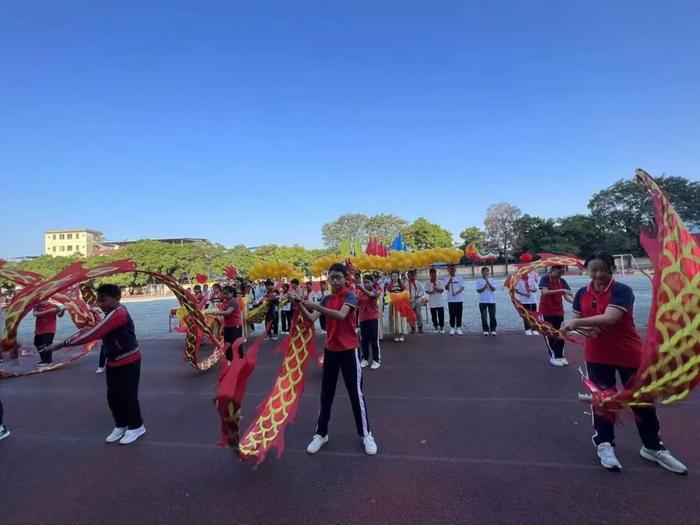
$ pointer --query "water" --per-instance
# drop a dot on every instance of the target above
(151, 317)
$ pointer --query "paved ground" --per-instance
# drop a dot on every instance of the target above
(470, 430)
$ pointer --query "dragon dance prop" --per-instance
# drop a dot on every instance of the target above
(279, 407)
(472, 253)
(671, 355)
(401, 261)
(65, 286)
(511, 283)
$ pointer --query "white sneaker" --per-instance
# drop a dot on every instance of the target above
(452, 331)
(555, 362)
(316, 443)
(375, 365)
(528, 332)
(493, 334)
(401, 338)
(486, 333)
(132, 435)
(100, 369)
(116, 434)
(364, 363)
(606, 453)
(370, 444)
(564, 361)
(4, 432)
(665, 459)
(396, 339)
(442, 330)
(459, 331)
(534, 332)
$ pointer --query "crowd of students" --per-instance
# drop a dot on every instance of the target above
(603, 313)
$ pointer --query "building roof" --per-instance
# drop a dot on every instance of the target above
(74, 230)
(174, 240)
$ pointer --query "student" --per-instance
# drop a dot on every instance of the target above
(123, 363)
(3, 429)
(417, 295)
(454, 284)
(249, 300)
(340, 354)
(487, 302)
(45, 329)
(368, 297)
(397, 323)
(229, 311)
(526, 293)
(554, 288)
(434, 289)
(322, 318)
(272, 317)
(606, 307)
(286, 310)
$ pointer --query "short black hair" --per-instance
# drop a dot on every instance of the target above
(338, 267)
(269, 282)
(228, 289)
(197, 288)
(285, 286)
(217, 285)
(110, 290)
(604, 256)
(295, 281)
(557, 267)
(368, 276)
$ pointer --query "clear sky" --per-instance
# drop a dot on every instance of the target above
(256, 122)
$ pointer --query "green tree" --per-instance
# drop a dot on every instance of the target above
(533, 234)
(47, 265)
(351, 226)
(622, 208)
(472, 234)
(423, 234)
(577, 234)
(384, 227)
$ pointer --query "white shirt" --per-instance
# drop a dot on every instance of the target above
(415, 290)
(487, 296)
(520, 287)
(457, 283)
(435, 300)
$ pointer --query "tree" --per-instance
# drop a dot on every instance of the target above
(385, 227)
(351, 226)
(423, 234)
(472, 234)
(499, 223)
(577, 234)
(46, 265)
(533, 234)
(621, 209)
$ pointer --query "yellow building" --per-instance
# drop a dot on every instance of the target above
(62, 243)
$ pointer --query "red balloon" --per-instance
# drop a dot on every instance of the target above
(526, 257)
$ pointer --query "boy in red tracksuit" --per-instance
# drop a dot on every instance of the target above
(339, 354)
(229, 310)
(45, 329)
(123, 363)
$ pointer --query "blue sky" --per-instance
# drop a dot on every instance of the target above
(256, 122)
